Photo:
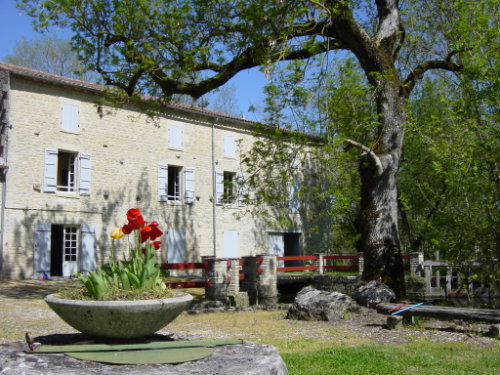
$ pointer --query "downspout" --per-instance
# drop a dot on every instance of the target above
(214, 192)
(2, 215)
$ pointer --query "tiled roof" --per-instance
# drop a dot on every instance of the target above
(65, 81)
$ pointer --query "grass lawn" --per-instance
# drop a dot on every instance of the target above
(323, 348)
(416, 358)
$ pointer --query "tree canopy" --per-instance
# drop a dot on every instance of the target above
(194, 46)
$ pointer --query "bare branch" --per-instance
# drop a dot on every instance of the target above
(368, 151)
(418, 72)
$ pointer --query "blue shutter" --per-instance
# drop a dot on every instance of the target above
(85, 172)
(189, 183)
(88, 258)
(41, 251)
(69, 117)
(176, 246)
(162, 182)
(50, 171)
(219, 186)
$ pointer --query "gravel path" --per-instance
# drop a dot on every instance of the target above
(22, 309)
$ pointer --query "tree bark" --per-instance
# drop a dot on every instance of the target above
(379, 200)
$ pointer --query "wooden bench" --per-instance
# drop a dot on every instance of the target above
(441, 312)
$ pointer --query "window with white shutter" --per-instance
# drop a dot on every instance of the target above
(69, 118)
(229, 147)
(176, 246)
(62, 169)
(175, 137)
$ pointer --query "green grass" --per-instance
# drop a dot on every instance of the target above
(421, 357)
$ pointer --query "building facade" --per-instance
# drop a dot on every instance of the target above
(70, 172)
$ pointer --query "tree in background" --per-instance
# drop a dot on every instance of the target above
(50, 54)
(192, 47)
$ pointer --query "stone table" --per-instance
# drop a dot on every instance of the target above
(248, 358)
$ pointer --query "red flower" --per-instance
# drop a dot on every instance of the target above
(156, 244)
(135, 219)
(150, 232)
(127, 229)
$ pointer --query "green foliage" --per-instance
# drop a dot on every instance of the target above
(139, 273)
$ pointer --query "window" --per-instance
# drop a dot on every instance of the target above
(229, 187)
(175, 137)
(67, 171)
(229, 147)
(69, 118)
(175, 183)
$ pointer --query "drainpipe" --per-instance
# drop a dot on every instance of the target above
(214, 191)
(2, 214)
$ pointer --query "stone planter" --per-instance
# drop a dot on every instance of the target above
(119, 319)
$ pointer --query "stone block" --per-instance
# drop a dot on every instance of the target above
(394, 322)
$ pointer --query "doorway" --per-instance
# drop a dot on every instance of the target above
(64, 250)
(284, 244)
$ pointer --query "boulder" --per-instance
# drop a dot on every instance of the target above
(313, 304)
(373, 293)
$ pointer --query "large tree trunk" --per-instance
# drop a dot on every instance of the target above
(379, 205)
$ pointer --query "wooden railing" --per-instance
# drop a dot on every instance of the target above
(187, 266)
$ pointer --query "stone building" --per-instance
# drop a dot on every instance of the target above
(70, 172)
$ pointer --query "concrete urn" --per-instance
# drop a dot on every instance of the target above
(119, 319)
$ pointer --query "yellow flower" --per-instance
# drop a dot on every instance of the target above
(117, 234)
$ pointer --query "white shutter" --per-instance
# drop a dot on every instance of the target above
(189, 183)
(229, 147)
(294, 203)
(88, 261)
(50, 171)
(219, 186)
(162, 182)
(41, 253)
(85, 172)
(69, 117)
(230, 244)
(176, 246)
(175, 137)
(242, 190)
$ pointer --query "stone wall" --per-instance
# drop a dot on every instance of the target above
(125, 147)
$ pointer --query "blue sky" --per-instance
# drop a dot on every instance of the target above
(14, 25)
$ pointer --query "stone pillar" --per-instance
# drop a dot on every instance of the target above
(267, 280)
(416, 263)
(218, 276)
(319, 264)
(361, 263)
(234, 275)
(249, 283)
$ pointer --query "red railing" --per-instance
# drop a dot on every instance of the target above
(297, 268)
(340, 267)
(187, 266)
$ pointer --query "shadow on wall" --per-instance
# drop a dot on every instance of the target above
(105, 210)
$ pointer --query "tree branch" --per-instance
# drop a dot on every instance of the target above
(368, 151)
(418, 72)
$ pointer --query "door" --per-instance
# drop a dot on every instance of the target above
(70, 251)
(276, 246)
